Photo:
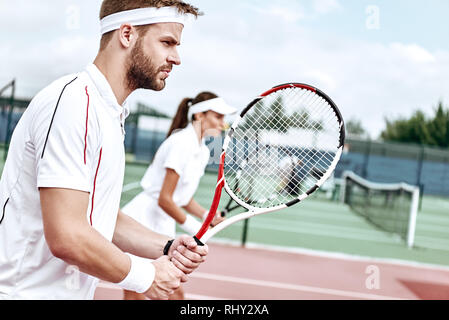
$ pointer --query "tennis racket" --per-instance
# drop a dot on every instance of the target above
(281, 149)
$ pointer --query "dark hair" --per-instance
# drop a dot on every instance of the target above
(180, 121)
(109, 7)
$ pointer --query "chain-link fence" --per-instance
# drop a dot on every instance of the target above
(424, 166)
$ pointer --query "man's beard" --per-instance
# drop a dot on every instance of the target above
(142, 74)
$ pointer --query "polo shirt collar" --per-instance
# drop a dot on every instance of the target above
(105, 90)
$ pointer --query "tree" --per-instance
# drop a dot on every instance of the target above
(419, 129)
(439, 127)
(275, 117)
(354, 128)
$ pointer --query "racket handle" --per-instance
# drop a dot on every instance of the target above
(198, 241)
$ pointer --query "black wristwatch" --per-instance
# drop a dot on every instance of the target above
(167, 247)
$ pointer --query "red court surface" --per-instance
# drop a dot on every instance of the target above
(235, 273)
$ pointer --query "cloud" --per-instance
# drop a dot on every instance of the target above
(42, 44)
(284, 13)
(319, 76)
(242, 50)
(368, 80)
(36, 65)
(294, 11)
(413, 52)
(326, 6)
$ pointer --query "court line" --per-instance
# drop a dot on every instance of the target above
(344, 232)
(323, 231)
(330, 254)
(294, 287)
(189, 296)
(269, 284)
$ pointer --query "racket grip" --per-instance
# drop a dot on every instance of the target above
(198, 241)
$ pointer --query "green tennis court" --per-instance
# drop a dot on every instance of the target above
(324, 225)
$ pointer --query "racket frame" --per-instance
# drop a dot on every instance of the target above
(204, 234)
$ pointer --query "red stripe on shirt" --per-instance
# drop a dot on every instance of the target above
(87, 121)
(95, 184)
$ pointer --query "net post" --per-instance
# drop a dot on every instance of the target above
(366, 160)
(421, 194)
(412, 218)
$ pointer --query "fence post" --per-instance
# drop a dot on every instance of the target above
(12, 84)
(245, 232)
(420, 165)
(367, 156)
(135, 134)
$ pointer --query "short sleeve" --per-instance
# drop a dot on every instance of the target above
(65, 140)
(175, 159)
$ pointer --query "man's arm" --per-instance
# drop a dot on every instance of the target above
(71, 238)
(131, 236)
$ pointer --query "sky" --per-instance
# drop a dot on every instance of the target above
(376, 59)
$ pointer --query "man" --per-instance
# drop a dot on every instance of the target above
(61, 185)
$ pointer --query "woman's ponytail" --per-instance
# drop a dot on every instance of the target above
(180, 121)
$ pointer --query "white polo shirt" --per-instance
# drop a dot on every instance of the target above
(186, 155)
(71, 136)
(183, 153)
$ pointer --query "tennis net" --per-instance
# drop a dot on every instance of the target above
(390, 207)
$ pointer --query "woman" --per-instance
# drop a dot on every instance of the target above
(172, 179)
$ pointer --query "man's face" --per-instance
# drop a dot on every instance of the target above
(153, 56)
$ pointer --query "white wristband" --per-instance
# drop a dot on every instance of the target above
(140, 277)
(191, 225)
(205, 214)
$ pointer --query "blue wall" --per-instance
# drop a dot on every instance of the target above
(433, 176)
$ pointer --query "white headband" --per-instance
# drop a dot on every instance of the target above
(218, 105)
(143, 16)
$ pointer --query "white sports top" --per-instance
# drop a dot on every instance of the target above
(71, 136)
(183, 153)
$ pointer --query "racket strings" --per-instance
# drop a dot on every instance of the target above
(318, 104)
(248, 184)
(282, 147)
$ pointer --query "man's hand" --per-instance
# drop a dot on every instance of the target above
(166, 280)
(186, 254)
